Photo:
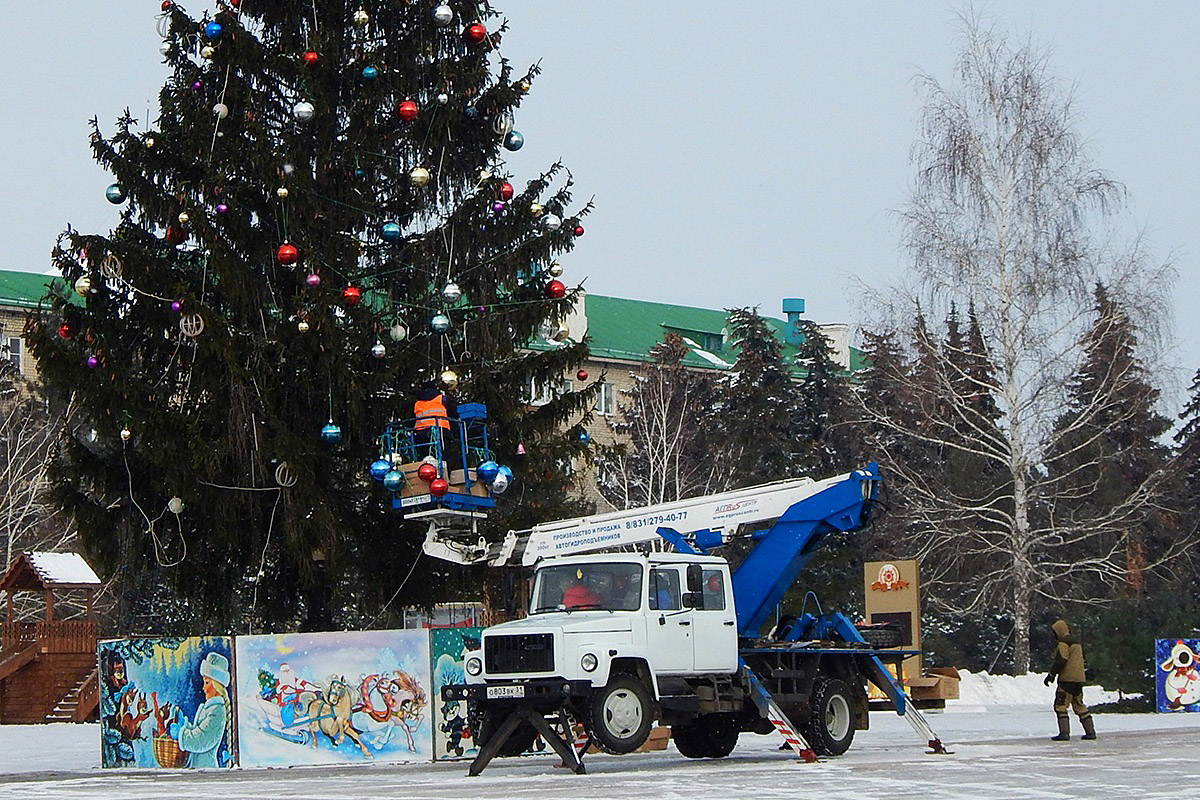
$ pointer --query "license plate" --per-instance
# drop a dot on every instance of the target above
(502, 692)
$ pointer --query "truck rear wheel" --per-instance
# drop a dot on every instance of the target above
(620, 715)
(830, 726)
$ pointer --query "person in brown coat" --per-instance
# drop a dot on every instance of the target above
(1067, 665)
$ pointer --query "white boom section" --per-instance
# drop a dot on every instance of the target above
(724, 512)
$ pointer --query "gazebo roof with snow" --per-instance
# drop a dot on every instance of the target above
(34, 571)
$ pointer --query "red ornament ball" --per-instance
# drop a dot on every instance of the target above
(166, 5)
(578, 230)
(438, 487)
(351, 295)
(555, 289)
(311, 57)
(407, 110)
(581, 375)
(506, 191)
(475, 33)
(176, 235)
(427, 472)
(64, 331)
(287, 254)
(235, 3)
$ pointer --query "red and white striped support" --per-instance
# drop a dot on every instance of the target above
(787, 730)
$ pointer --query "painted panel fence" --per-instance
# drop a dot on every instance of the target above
(1178, 674)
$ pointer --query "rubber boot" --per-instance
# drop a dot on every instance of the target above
(1089, 727)
(1064, 729)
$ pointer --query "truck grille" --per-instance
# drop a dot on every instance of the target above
(527, 652)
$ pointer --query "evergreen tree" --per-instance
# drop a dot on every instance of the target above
(757, 412)
(317, 221)
(823, 410)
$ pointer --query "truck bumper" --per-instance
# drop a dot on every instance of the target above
(543, 692)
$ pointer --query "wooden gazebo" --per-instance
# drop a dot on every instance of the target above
(48, 667)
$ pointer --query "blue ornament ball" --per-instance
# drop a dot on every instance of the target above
(390, 232)
(514, 141)
(585, 437)
(440, 323)
(393, 481)
(331, 434)
(115, 194)
(370, 73)
(380, 468)
(213, 30)
(360, 173)
(471, 112)
(487, 471)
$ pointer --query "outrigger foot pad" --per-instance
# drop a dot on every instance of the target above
(936, 748)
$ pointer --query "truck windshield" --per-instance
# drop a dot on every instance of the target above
(608, 587)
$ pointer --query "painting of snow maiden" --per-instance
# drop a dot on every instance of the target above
(331, 698)
(1178, 674)
(164, 702)
(451, 734)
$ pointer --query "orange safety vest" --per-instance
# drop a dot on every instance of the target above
(430, 413)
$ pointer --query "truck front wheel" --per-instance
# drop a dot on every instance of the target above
(830, 727)
(620, 715)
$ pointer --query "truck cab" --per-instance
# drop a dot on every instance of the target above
(599, 623)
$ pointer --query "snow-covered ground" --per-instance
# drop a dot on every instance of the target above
(1001, 750)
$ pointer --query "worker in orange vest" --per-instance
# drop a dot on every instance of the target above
(433, 409)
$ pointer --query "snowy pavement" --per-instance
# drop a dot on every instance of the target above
(999, 752)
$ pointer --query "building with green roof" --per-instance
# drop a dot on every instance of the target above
(21, 292)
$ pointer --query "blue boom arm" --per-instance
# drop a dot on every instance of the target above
(784, 549)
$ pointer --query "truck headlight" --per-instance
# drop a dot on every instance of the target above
(474, 666)
(589, 662)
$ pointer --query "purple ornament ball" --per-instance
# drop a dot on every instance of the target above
(313, 279)
(176, 306)
(197, 85)
(93, 362)
(497, 206)
(222, 208)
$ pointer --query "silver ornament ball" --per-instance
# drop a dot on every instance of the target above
(398, 332)
(378, 350)
(221, 110)
(304, 111)
(451, 293)
(440, 323)
(443, 15)
(551, 222)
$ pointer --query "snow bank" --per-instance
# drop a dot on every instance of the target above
(982, 689)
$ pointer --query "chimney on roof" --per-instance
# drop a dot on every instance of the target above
(793, 307)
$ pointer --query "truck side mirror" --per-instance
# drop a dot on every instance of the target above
(695, 578)
(693, 600)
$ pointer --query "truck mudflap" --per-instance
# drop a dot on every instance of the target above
(534, 693)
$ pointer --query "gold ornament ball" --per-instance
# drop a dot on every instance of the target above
(207, 51)
(183, 218)
(419, 177)
(485, 174)
(536, 209)
(281, 192)
(524, 86)
(126, 434)
(83, 285)
(561, 332)
(555, 269)
(150, 142)
(361, 17)
(302, 326)
(450, 379)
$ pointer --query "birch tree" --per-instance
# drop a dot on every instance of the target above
(662, 417)
(1005, 218)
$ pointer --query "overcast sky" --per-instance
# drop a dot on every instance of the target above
(738, 153)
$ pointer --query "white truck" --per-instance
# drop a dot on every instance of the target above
(620, 640)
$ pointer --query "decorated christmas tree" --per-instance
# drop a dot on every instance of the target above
(317, 221)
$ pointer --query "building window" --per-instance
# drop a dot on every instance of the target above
(606, 399)
(713, 342)
(540, 395)
(11, 351)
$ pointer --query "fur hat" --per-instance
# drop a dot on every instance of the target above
(216, 667)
